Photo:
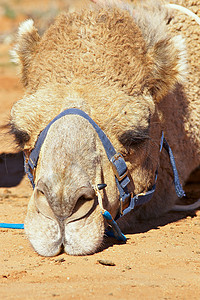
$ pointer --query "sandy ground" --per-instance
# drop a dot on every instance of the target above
(161, 259)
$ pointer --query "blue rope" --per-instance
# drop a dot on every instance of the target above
(115, 232)
(10, 225)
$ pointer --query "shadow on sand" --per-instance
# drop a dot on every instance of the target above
(145, 226)
(11, 169)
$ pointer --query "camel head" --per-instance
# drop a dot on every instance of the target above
(116, 65)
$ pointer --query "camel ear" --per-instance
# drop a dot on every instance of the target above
(22, 54)
(169, 66)
(167, 54)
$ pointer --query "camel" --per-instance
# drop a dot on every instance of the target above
(104, 93)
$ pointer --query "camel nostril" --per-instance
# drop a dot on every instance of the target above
(85, 202)
(84, 194)
(82, 201)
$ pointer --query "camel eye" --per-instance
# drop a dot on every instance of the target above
(132, 138)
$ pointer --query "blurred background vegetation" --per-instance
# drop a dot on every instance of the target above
(13, 12)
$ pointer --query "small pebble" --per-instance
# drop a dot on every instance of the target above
(106, 262)
(59, 260)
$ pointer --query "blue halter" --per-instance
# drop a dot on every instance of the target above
(119, 168)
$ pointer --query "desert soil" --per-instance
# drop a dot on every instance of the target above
(161, 259)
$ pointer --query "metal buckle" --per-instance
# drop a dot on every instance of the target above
(125, 204)
(115, 158)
